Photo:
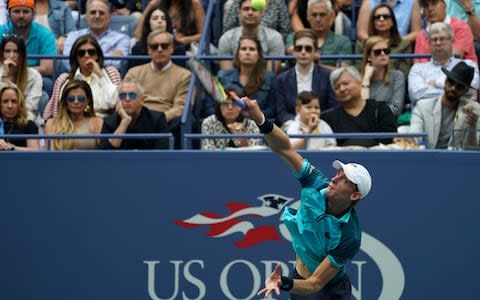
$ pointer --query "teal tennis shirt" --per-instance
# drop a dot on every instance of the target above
(317, 235)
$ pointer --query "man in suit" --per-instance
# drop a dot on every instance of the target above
(306, 75)
(450, 120)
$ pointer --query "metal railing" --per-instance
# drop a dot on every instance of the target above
(49, 137)
(354, 135)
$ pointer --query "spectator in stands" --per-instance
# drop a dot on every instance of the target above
(155, 18)
(228, 120)
(87, 63)
(57, 16)
(133, 117)
(384, 23)
(14, 114)
(306, 75)
(426, 80)
(436, 11)
(76, 115)
(127, 8)
(271, 40)
(187, 18)
(379, 80)
(275, 16)
(13, 68)
(451, 111)
(342, 25)
(407, 14)
(307, 121)
(250, 76)
(38, 39)
(165, 83)
(356, 114)
(112, 43)
(469, 12)
(320, 15)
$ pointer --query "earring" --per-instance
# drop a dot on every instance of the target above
(87, 108)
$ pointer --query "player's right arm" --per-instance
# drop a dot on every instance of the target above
(276, 139)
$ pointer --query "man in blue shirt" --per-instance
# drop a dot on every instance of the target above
(325, 230)
(113, 43)
(39, 40)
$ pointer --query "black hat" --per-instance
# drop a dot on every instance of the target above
(461, 73)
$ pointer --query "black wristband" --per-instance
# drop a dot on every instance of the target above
(287, 284)
(266, 127)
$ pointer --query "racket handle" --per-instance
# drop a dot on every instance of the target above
(240, 103)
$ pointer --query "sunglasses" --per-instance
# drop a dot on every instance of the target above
(382, 16)
(458, 86)
(124, 96)
(299, 48)
(377, 52)
(155, 46)
(80, 98)
(91, 52)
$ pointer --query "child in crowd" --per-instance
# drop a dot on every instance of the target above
(307, 121)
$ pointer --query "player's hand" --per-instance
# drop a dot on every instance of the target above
(272, 283)
(253, 111)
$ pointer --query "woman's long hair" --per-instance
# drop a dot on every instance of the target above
(22, 71)
(146, 29)
(22, 114)
(73, 59)
(257, 77)
(63, 123)
(367, 51)
(185, 11)
(395, 37)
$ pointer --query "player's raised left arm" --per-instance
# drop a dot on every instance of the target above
(276, 138)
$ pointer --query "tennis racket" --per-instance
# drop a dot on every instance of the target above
(211, 83)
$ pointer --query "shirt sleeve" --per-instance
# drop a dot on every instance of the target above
(345, 251)
(310, 176)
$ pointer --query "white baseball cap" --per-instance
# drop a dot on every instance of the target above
(357, 174)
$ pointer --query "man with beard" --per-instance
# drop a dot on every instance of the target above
(425, 80)
(450, 120)
(39, 40)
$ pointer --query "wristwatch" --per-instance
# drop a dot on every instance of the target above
(470, 12)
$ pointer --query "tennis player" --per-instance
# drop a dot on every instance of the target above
(325, 229)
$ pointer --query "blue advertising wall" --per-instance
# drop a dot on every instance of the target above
(196, 225)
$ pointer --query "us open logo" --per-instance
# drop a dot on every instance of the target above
(246, 226)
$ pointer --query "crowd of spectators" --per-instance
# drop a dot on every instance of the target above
(94, 90)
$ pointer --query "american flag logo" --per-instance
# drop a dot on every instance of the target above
(243, 218)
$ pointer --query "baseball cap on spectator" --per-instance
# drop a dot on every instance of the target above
(16, 3)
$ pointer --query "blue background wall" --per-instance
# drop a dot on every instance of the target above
(103, 225)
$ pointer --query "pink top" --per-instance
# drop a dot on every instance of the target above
(463, 39)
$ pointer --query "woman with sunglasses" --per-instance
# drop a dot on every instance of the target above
(76, 115)
(227, 119)
(13, 68)
(14, 114)
(155, 18)
(250, 76)
(87, 63)
(384, 23)
(379, 80)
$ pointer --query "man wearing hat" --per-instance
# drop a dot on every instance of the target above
(436, 11)
(325, 230)
(39, 40)
(450, 120)
(426, 80)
